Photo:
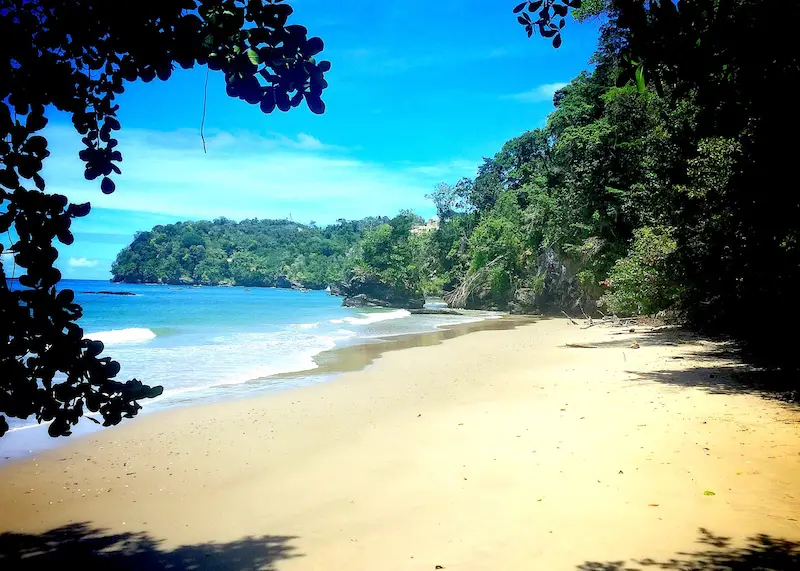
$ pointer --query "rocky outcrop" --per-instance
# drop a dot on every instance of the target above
(434, 311)
(554, 288)
(336, 289)
(524, 302)
(370, 291)
(550, 289)
(558, 289)
(283, 282)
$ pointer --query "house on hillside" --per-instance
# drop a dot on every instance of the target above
(431, 225)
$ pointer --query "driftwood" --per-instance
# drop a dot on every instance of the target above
(568, 317)
(581, 346)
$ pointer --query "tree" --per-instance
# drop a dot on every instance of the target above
(451, 200)
(387, 253)
(75, 56)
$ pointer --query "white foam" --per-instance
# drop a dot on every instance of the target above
(306, 325)
(367, 318)
(24, 427)
(122, 336)
(298, 362)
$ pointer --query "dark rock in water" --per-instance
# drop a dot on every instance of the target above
(108, 292)
(436, 311)
(370, 291)
(307, 286)
(283, 282)
(362, 300)
(336, 289)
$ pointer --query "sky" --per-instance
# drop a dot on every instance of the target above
(419, 92)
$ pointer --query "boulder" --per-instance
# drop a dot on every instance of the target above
(370, 291)
(524, 302)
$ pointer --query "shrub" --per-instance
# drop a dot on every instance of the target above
(641, 283)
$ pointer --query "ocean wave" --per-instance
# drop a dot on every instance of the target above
(122, 336)
(306, 325)
(292, 363)
(368, 318)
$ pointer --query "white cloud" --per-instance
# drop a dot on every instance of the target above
(543, 92)
(245, 175)
(82, 263)
(309, 142)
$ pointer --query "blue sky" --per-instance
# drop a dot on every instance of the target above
(419, 93)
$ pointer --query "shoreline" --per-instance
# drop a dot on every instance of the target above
(329, 364)
(498, 449)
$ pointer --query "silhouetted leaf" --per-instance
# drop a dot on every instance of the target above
(315, 104)
(107, 186)
(314, 46)
(519, 8)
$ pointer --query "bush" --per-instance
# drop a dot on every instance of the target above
(641, 283)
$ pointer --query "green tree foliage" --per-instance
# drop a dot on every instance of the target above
(75, 57)
(387, 252)
(642, 283)
(259, 253)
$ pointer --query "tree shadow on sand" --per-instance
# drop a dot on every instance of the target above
(761, 553)
(717, 364)
(79, 546)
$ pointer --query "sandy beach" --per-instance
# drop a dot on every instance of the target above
(500, 449)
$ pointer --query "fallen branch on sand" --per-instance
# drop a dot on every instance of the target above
(568, 317)
(582, 346)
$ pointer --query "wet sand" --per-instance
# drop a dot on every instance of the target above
(500, 449)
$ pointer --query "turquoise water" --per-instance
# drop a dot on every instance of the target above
(204, 344)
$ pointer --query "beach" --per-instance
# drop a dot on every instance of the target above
(497, 449)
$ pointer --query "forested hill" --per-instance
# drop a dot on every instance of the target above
(249, 253)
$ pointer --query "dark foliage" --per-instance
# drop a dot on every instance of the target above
(84, 547)
(75, 56)
(761, 553)
(725, 75)
(546, 17)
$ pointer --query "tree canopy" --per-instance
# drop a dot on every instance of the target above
(75, 56)
(261, 253)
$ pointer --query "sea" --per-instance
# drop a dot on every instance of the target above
(206, 344)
